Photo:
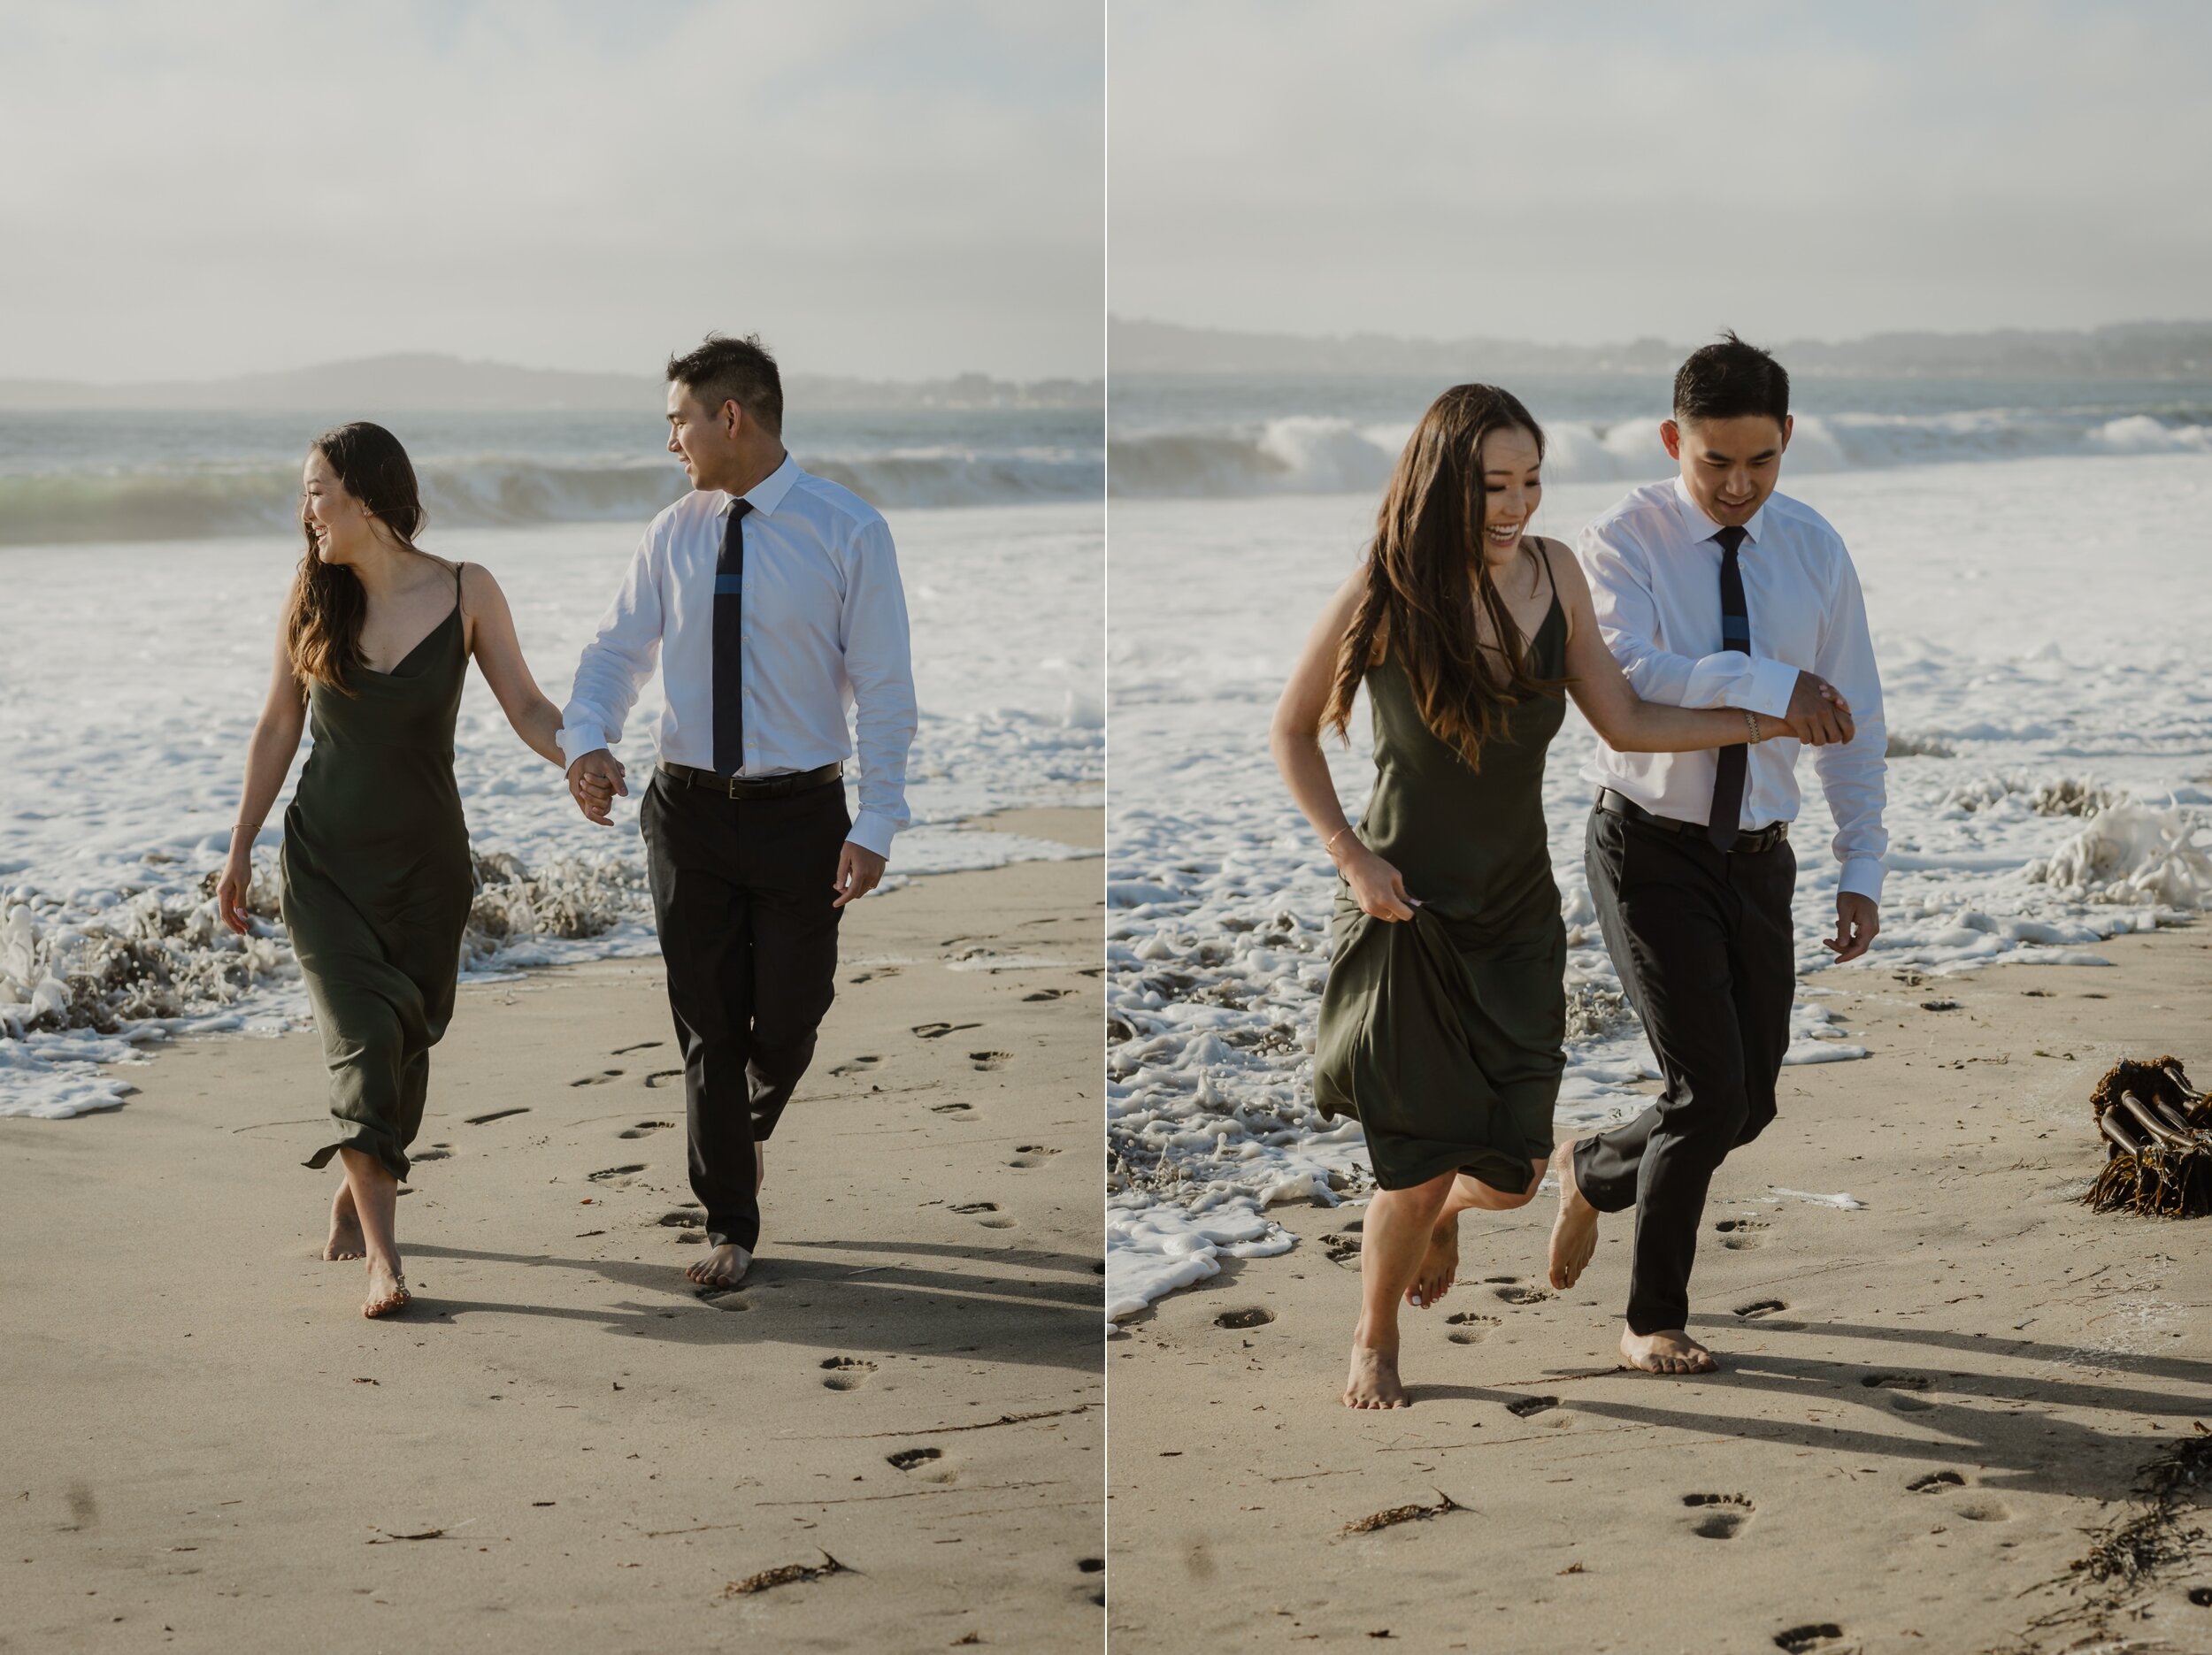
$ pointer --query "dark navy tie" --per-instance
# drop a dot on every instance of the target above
(1735, 633)
(729, 645)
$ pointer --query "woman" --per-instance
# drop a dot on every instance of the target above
(372, 650)
(1442, 1022)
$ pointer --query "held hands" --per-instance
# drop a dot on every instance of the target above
(1378, 888)
(1818, 716)
(858, 870)
(1858, 922)
(593, 782)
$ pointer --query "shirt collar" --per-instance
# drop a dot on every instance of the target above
(1700, 527)
(765, 496)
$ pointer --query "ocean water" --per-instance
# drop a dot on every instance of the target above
(131, 674)
(2041, 625)
(1237, 436)
(101, 475)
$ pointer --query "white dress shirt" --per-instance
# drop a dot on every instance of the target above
(1655, 577)
(824, 631)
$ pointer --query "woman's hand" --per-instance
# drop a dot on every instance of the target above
(230, 888)
(1378, 887)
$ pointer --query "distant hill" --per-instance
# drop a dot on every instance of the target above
(424, 382)
(2129, 351)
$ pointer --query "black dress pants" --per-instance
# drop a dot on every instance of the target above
(743, 894)
(1703, 942)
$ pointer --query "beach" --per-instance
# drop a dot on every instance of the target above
(210, 1449)
(1937, 1407)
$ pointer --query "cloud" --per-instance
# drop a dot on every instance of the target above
(1596, 170)
(881, 189)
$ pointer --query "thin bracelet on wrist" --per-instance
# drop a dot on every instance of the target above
(1328, 844)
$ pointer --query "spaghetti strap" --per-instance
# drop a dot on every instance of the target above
(1550, 580)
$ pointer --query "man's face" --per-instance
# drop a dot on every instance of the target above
(705, 441)
(1730, 466)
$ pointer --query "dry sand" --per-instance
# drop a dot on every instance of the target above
(1926, 1404)
(208, 1448)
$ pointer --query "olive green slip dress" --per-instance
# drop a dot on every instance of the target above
(1443, 1034)
(378, 884)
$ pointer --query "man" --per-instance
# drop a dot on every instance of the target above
(1714, 591)
(772, 599)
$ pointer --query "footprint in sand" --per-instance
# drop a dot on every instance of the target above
(605, 1173)
(1723, 1517)
(1818, 1635)
(724, 1298)
(989, 1059)
(952, 1108)
(496, 1114)
(995, 1223)
(856, 1066)
(683, 1218)
(1935, 1482)
(436, 1152)
(1468, 1327)
(938, 1030)
(1527, 1405)
(1983, 1510)
(1251, 1316)
(845, 1373)
(1900, 1387)
(1737, 1233)
(644, 1127)
(925, 1465)
(625, 1051)
(600, 1079)
(1032, 1154)
(661, 1076)
(1342, 1248)
(977, 1206)
(1521, 1295)
(1049, 993)
(1759, 1307)
(858, 977)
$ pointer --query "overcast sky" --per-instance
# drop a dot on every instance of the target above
(1579, 172)
(894, 188)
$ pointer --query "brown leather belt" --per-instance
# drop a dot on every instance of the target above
(753, 787)
(1620, 804)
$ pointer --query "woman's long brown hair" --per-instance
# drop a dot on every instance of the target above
(322, 622)
(1426, 572)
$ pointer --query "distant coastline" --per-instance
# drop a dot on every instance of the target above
(428, 382)
(2128, 350)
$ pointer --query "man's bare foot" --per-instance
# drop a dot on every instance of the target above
(1439, 1267)
(1672, 1352)
(388, 1289)
(1574, 1233)
(724, 1267)
(1374, 1380)
(346, 1240)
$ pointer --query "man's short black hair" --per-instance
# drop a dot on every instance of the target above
(1728, 379)
(739, 371)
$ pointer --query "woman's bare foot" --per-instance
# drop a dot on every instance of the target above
(1439, 1267)
(346, 1240)
(724, 1267)
(1574, 1233)
(1672, 1352)
(388, 1288)
(1372, 1382)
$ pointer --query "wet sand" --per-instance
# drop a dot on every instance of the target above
(208, 1448)
(1925, 1403)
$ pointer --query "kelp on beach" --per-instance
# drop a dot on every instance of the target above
(2158, 1129)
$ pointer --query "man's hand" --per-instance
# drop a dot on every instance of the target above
(1818, 716)
(858, 870)
(593, 782)
(1858, 922)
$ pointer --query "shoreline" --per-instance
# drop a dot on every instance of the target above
(1923, 1402)
(564, 1435)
